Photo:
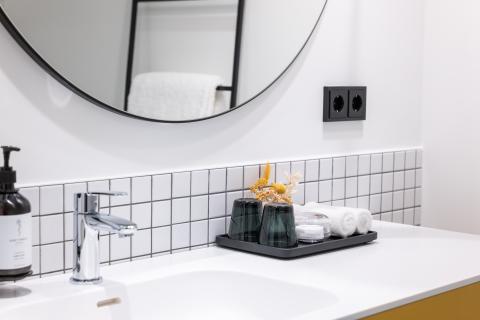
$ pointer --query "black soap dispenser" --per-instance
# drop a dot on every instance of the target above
(15, 224)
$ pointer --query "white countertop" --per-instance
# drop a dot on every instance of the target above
(403, 265)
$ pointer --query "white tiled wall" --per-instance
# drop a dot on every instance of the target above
(185, 210)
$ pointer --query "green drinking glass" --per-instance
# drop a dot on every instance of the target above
(245, 221)
(278, 226)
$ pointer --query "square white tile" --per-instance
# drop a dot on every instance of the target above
(376, 163)
(410, 159)
(141, 243)
(387, 162)
(351, 187)
(363, 202)
(375, 183)
(299, 167)
(338, 203)
(364, 164)
(398, 200)
(387, 216)
(387, 182)
(282, 170)
(199, 182)
(418, 197)
(376, 217)
(120, 185)
(351, 203)
(409, 179)
(199, 208)
(312, 170)
(142, 215)
(35, 231)
(325, 191)
(375, 203)
(217, 205)
(251, 174)
(51, 228)
(409, 198)
(33, 196)
(51, 257)
(51, 199)
(338, 189)
(339, 167)
(68, 225)
(199, 233)
(162, 187)
(418, 216)
(68, 255)
(399, 180)
(161, 213)
(326, 169)
(235, 178)
(181, 184)
(399, 161)
(387, 201)
(141, 189)
(409, 216)
(216, 227)
(398, 216)
(363, 185)
(180, 210)
(119, 247)
(352, 166)
(36, 260)
(218, 180)
(180, 236)
(418, 177)
(161, 239)
(311, 192)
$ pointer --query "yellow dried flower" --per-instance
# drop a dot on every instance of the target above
(280, 188)
(266, 174)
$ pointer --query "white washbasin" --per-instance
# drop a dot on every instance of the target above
(169, 294)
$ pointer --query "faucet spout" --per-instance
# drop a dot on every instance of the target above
(112, 224)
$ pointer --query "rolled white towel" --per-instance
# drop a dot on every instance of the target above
(343, 222)
(363, 217)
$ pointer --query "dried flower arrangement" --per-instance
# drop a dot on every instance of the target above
(275, 192)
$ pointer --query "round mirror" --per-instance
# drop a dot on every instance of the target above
(164, 60)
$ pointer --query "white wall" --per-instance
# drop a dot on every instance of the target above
(371, 42)
(452, 115)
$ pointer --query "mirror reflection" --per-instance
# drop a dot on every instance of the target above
(167, 60)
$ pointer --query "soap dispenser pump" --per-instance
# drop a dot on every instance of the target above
(15, 223)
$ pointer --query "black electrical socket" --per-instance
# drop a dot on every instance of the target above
(335, 104)
(357, 106)
(344, 103)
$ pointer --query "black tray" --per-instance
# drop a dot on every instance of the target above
(15, 278)
(302, 250)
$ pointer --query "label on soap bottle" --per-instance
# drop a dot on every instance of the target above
(15, 241)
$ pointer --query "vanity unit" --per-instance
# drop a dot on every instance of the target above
(411, 271)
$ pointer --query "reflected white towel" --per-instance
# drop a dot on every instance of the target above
(343, 222)
(175, 96)
(363, 217)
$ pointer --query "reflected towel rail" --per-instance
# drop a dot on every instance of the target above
(236, 57)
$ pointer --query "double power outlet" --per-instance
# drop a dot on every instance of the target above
(344, 104)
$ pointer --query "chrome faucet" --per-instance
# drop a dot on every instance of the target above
(87, 224)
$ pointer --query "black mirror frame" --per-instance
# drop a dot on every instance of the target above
(52, 72)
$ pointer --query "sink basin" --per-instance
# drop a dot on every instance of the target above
(202, 294)
(224, 295)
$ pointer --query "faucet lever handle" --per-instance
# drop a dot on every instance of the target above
(108, 193)
(87, 202)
